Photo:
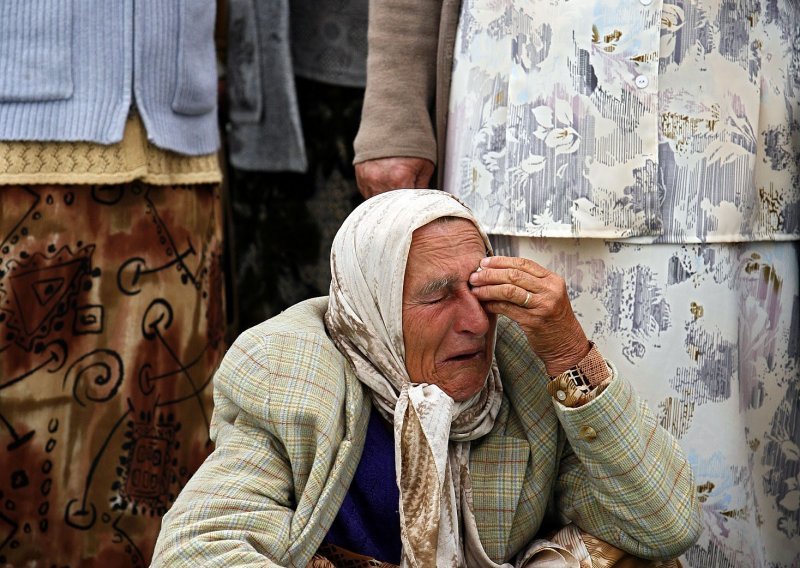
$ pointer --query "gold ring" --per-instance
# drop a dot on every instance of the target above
(527, 297)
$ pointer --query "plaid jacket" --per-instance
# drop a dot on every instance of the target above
(290, 420)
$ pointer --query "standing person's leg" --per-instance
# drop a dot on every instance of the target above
(284, 222)
(709, 335)
(111, 326)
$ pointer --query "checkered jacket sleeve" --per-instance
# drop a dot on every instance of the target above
(279, 430)
(621, 476)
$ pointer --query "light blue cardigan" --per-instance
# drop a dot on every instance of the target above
(71, 70)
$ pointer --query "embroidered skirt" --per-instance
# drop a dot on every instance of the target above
(710, 335)
(111, 326)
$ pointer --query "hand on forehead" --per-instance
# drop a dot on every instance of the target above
(537, 299)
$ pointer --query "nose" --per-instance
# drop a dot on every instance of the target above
(471, 317)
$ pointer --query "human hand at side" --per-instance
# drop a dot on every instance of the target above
(537, 300)
(384, 174)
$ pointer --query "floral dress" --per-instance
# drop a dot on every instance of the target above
(648, 151)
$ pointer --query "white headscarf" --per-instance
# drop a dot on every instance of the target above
(431, 430)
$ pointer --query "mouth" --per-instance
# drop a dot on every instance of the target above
(464, 356)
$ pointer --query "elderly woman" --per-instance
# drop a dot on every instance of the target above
(442, 407)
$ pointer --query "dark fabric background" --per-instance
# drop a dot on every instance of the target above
(282, 224)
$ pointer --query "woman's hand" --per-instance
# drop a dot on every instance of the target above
(537, 300)
(385, 174)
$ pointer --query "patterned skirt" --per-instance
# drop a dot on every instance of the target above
(710, 336)
(111, 326)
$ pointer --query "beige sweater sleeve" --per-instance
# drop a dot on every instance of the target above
(401, 76)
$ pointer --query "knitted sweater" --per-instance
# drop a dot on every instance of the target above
(71, 69)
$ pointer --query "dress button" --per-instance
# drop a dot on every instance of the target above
(588, 433)
(642, 81)
(561, 395)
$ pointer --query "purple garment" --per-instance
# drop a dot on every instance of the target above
(368, 521)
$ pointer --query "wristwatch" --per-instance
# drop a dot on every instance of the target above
(578, 385)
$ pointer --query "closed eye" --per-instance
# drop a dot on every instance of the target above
(437, 290)
(436, 299)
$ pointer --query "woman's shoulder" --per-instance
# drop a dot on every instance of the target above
(285, 355)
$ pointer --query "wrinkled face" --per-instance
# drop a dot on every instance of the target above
(446, 332)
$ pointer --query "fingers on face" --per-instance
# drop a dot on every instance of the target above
(503, 284)
(512, 310)
(508, 294)
(512, 287)
(507, 283)
(514, 262)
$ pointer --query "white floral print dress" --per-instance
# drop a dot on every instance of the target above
(648, 151)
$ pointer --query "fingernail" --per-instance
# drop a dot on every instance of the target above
(485, 261)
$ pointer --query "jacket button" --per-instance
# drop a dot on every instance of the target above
(588, 433)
